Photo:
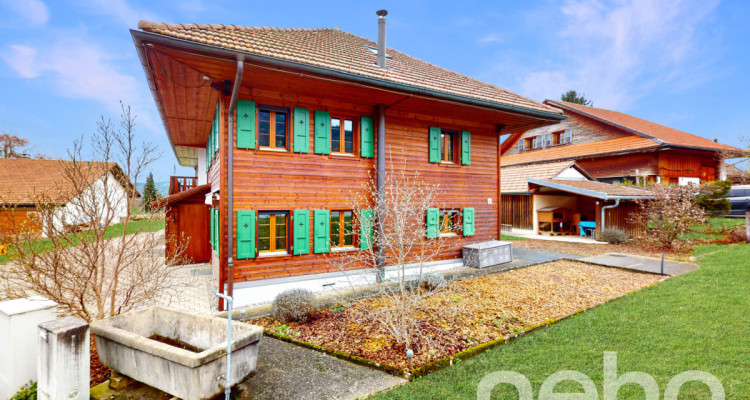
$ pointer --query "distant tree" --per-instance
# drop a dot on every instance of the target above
(12, 146)
(712, 197)
(571, 96)
(149, 192)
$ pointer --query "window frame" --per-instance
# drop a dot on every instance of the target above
(454, 134)
(442, 213)
(342, 134)
(567, 136)
(341, 221)
(272, 233)
(272, 110)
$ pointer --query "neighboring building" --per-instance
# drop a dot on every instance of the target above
(616, 147)
(317, 114)
(738, 176)
(555, 197)
(28, 184)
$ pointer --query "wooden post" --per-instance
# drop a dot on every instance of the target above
(747, 226)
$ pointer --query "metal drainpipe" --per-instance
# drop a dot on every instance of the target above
(617, 203)
(381, 186)
(230, 176)
(228, 372)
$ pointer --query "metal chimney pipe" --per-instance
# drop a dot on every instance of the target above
(381, 37)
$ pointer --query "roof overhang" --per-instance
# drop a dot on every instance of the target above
(140, 38)
(584, 192)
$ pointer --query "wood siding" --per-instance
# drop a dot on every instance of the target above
(517, 211)
(19, 219)
(624, 217)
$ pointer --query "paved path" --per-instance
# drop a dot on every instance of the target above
(640, 263)
(286, 371)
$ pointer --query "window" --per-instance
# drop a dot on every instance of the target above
(272, 231)
(272, 128)
(529, 143)
(448, 146)
(567, 137)
(557, 138)
(548, 140)
(448, 221)
(521, 145)
(342, 229)
(342, 137)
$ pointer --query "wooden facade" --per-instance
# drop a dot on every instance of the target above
(287, 180)
(23, 219)
(517, 211)
(186, 218)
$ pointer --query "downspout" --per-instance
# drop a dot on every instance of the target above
(230, 180)
(381, 188)
(604, 208)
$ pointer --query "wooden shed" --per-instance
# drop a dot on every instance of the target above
(187, 217)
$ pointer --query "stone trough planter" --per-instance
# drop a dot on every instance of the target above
(127, 344)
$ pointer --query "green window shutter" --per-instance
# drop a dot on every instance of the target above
(217, 141)
(322, 132)
(431, 227)
(367, 138)
(245, 124)
(245, 234)
(301, 130)
(366, 225)
(465, 148)
(211, 227)
(321, 220)
(217, 234)
(434, 144)
(208, 162)
(468, 218)
(301, 221)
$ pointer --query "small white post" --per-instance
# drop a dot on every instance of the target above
(19, 319)
(64, 360)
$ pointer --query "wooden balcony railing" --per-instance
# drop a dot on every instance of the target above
(179, 184)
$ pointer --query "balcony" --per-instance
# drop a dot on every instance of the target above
(179, 184)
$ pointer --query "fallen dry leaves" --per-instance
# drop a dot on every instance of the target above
(474, 311)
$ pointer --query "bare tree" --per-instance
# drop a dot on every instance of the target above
(403, 244)
(671, 212)
(94, 262)
(12, 146)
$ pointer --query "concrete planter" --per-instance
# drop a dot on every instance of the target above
(487, 254)
(123, 345)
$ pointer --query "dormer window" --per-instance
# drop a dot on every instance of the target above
(568, 136)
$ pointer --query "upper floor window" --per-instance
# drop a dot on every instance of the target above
(342, 135)
(521, 145)
(448, 145)
(567, 136)
(272, 128)
(342, 234)
(548, 140)
(272, 231)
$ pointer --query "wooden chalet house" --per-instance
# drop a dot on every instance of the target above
(281, 123)
(615, 147)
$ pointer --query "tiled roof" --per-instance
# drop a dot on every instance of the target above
(23, 180)
(514, 179)
(171, 199)
(599, 187)
(344, 52)
(567, 152)
(647, 128)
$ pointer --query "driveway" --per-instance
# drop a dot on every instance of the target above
(640, 263)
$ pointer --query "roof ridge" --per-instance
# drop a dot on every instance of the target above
(149, 25)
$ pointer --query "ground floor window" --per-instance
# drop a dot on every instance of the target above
(448, 221)
(272, 231)
(342, 234)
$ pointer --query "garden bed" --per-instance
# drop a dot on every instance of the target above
(475, 312)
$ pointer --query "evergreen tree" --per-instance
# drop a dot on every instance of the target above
(149, 192)
(571, 96)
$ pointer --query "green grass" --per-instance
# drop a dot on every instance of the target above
(697, 321)
(716, 225)
(111, 232)
(511, 237)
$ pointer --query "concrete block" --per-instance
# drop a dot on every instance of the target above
(18, 344)
(64, 360)
(118, 381)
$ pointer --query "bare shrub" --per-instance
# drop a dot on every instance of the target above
(433, 282)
(393, 233)
(614, 236)
(93, 261)
(295, 305)
(671, 213)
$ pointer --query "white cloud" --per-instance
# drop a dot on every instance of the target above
(616, 52)
(490, 38)
(35, 12)
(76, 69)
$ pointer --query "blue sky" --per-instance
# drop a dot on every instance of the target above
(679, 63)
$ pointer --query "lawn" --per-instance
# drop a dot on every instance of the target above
(697, 321)
(712, 229)
(111, 232)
